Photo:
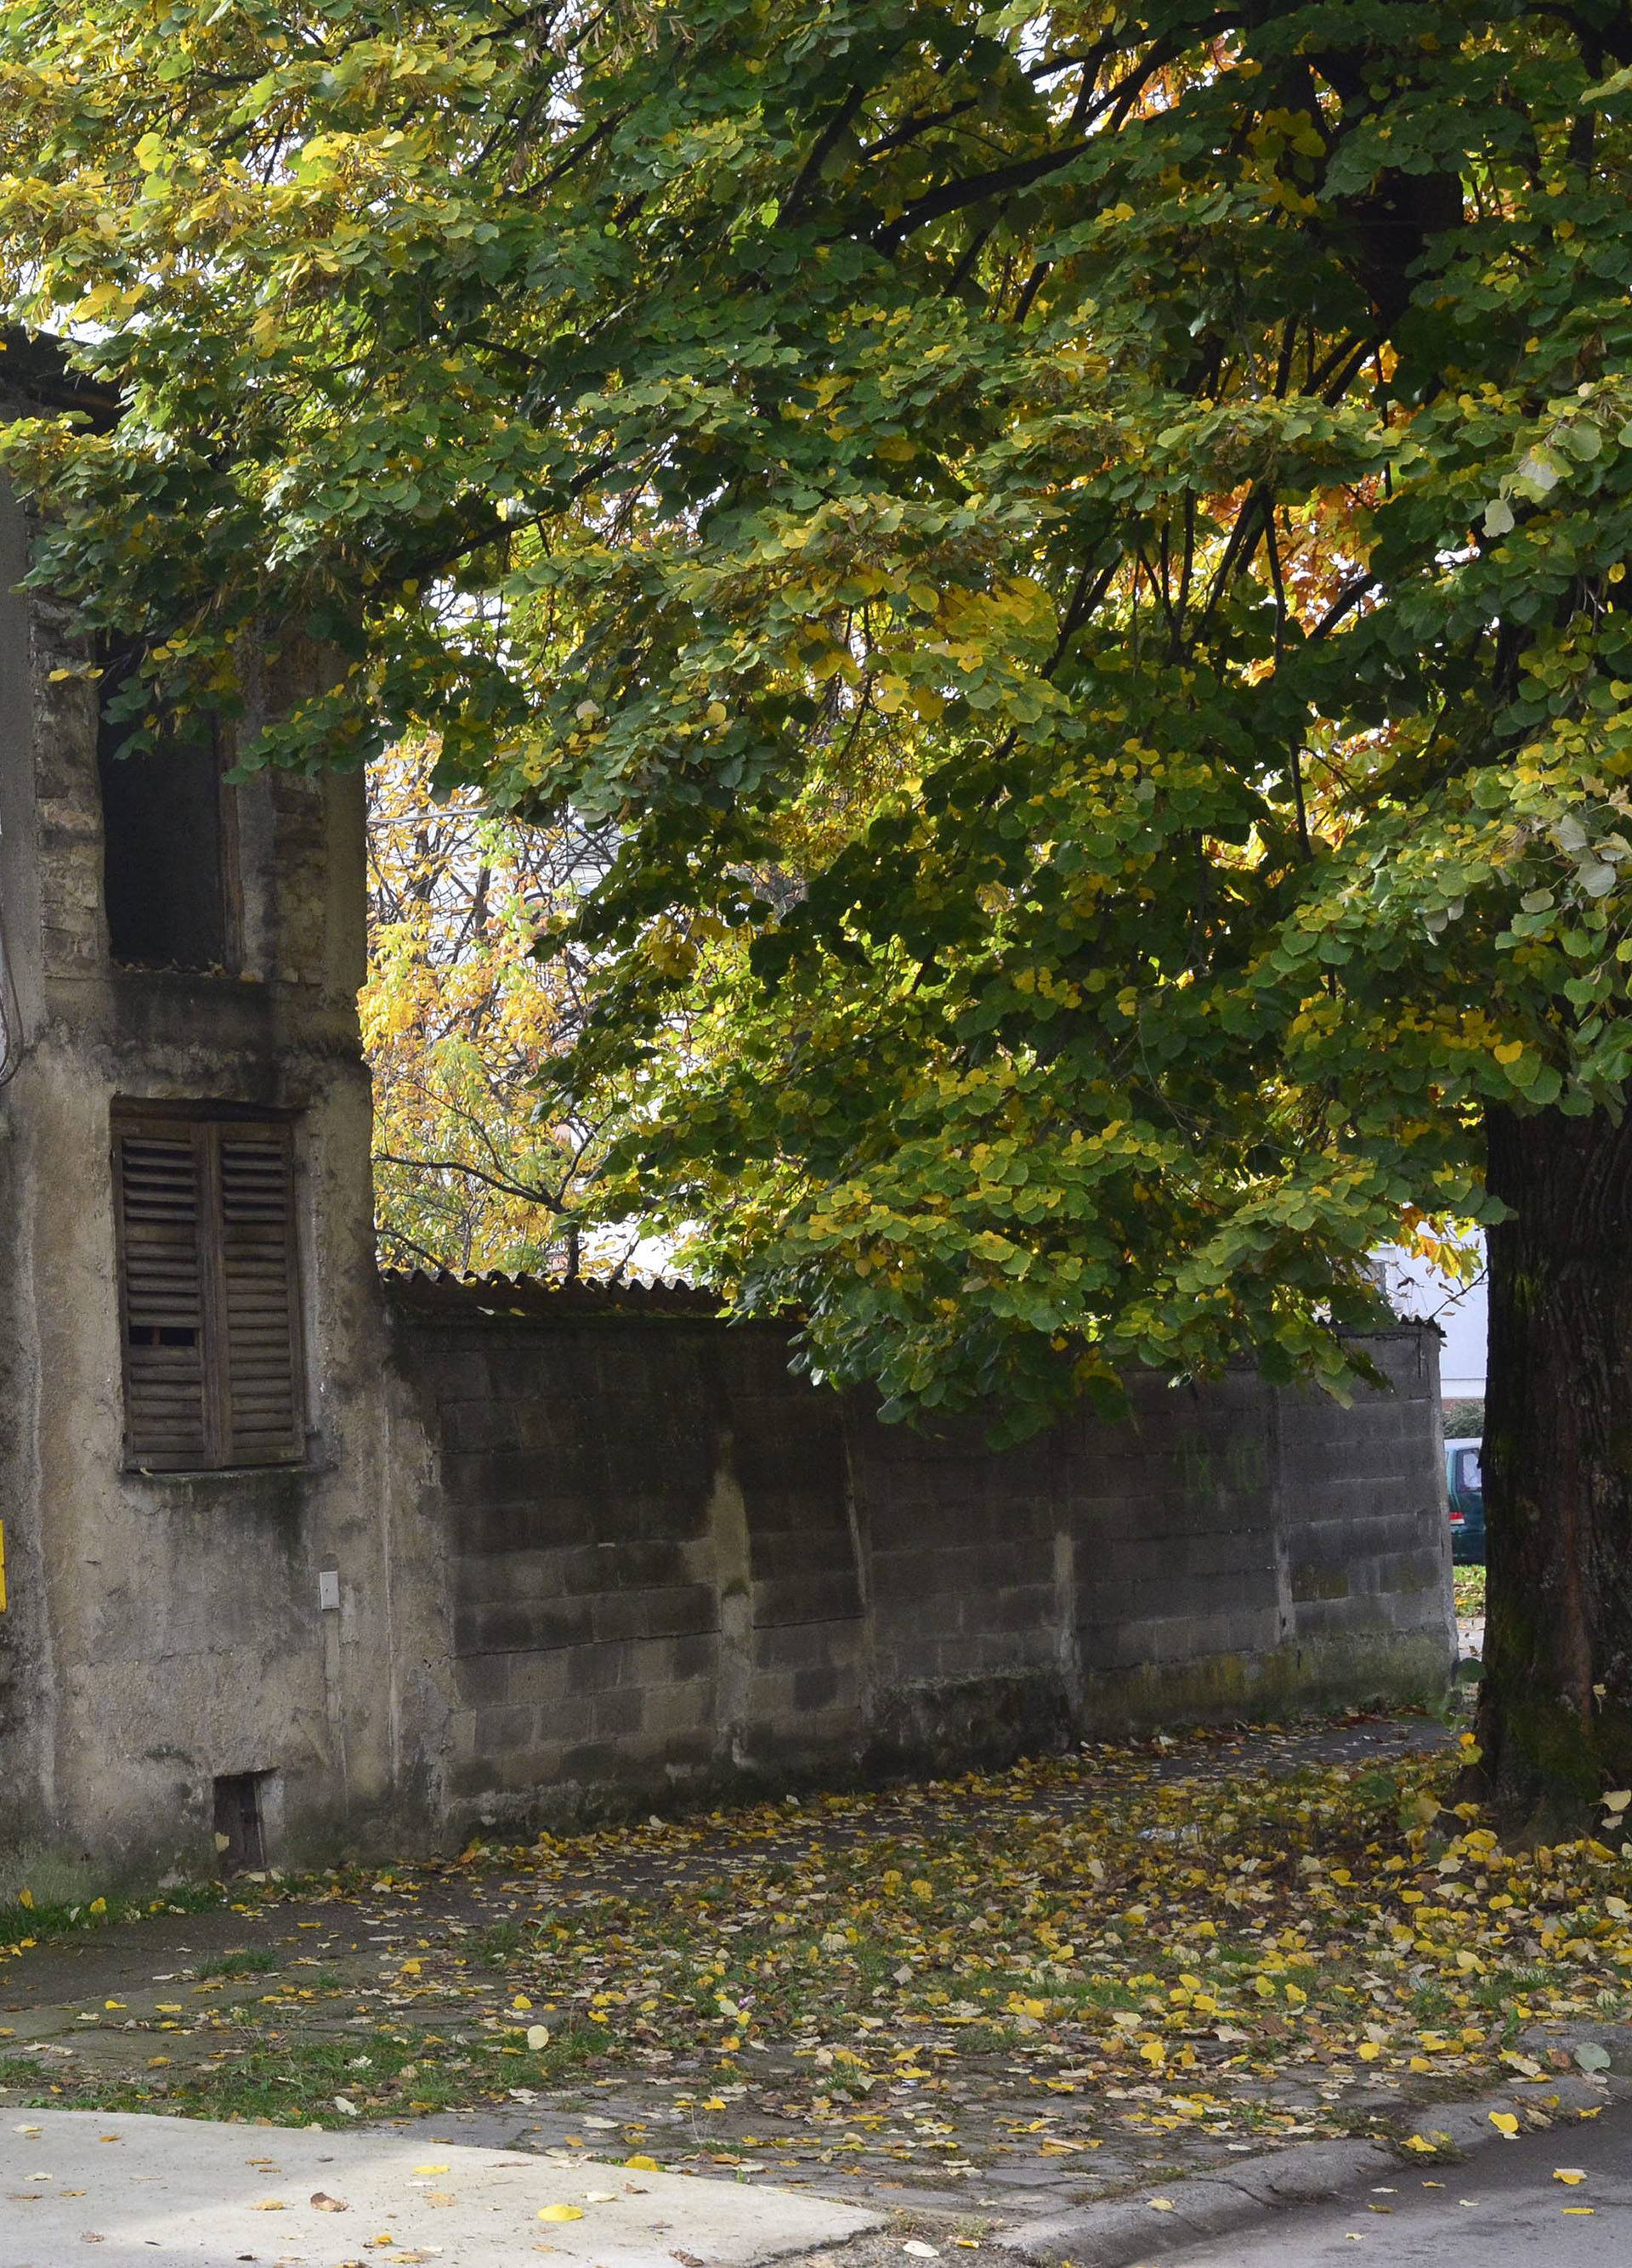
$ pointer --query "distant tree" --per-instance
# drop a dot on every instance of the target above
(1082, 551)
(459, 1017)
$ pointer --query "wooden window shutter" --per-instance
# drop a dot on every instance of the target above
(166, 1418)
(260, 1403)
(209, 1295)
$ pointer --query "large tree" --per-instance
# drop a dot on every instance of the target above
(1079, 548)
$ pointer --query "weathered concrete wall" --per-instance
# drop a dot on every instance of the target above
(677, 1565)
(163, 1630)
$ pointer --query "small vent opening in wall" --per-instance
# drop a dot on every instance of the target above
(240, 1831)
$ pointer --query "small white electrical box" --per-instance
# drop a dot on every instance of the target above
(329, 1589)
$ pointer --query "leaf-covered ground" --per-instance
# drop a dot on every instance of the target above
(1062, 1976)
(1468, 1583)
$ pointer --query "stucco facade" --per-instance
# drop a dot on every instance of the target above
(162, 1631)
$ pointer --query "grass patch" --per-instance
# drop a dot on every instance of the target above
(496, 1947)
(28, 1921)
(240, 1961)
(292, 2082)
(1468, 1586)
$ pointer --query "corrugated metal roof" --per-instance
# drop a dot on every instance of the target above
(445, 1297)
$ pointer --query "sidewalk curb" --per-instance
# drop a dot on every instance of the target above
(1122, 2231)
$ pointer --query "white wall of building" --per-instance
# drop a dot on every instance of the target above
(1422, 1293)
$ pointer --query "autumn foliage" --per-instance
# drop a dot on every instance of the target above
(459, 1016)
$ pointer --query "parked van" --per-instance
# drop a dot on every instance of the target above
(1465, 1486)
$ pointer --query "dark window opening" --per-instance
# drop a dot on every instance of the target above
(240, 1832)
(208, 1290)
(167, 855)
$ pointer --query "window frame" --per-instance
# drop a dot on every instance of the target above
(208, 1123)
(119, 660)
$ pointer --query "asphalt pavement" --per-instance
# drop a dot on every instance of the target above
(1504, 2207)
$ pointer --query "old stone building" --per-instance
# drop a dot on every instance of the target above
(299, 1561)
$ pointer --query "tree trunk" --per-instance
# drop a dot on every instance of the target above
(1555, 1707)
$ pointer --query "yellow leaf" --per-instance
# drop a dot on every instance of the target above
(642, 2164)
(438, 2168)
(1571, 2177)
(520, 2001)
(1509, 1051)
(560, 2212)
(1504, 2123)
(1368, 2051)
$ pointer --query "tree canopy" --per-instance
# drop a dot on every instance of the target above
(1079, 550)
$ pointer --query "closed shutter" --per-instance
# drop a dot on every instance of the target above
(257, 1296)
(209, 1290)
(161, 1201)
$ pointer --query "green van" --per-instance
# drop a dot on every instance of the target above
(1464, 1487)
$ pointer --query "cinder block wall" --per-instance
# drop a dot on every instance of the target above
(678, 1567)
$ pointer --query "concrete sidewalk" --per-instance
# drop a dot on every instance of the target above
(150, 2191)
